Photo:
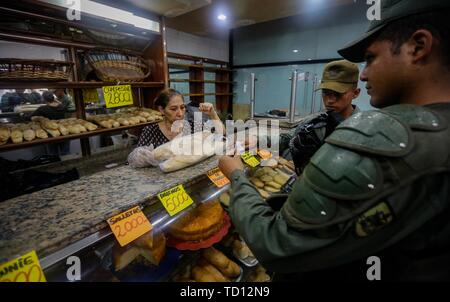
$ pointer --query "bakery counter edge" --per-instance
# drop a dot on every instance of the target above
(51, 219)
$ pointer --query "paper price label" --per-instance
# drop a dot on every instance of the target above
(175, 200)
(129, 225)
(90, 96)
(117, 96)
(250, 159)
(218, 178)
(23, 269)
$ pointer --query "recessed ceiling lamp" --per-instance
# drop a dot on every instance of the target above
(222, 17)
(295, 51)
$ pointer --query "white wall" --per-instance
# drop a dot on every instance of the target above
(187, 44)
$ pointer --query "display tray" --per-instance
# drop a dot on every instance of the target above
(193, 246)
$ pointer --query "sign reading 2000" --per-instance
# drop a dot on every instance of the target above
(117, 96)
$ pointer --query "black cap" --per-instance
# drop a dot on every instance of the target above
(391, 10)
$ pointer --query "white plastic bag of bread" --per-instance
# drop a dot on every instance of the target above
(185, 151)
(147, 249)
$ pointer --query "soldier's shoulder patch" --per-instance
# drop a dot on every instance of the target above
(373, 220)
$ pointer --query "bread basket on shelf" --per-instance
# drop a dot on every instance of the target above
(112, 65)
(34, 70)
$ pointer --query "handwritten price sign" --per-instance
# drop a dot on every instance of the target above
(129, 225)
(218, 178)
(175, 200)
(249, 159)
(117, 96)
(23, 269)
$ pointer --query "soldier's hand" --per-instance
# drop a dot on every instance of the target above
(229, 164)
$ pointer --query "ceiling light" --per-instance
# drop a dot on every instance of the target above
(222, 17)
(295, 50)
(109, 12)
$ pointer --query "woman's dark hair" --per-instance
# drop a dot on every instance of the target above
(437, 22)
(165, 96)
(48, 96)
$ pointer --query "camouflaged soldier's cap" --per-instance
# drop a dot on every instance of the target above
(391, 10)
(339, 76)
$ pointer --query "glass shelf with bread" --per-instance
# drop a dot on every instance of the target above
(199, 244)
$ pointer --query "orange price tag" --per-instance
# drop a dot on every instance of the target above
(264, 154)
(23, 269)
(129, 225)
(218, 178)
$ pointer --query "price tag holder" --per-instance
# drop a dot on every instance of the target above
(175, 200)
(117, 96)
(264, 154)
(250, 159)
(218, 178)
(23, 269)
(129, 225)
(90, 96)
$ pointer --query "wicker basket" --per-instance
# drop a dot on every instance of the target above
(34, 70)
(115, 65)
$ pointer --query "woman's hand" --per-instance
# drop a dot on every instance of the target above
(208, 109)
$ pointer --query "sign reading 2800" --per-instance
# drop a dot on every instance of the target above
(117, 96)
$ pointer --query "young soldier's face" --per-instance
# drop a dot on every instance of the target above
(340, 102)
(386, 75)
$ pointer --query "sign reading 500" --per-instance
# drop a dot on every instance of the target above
(117, 96)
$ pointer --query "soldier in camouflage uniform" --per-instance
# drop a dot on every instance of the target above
(339, 88)
(380, 185)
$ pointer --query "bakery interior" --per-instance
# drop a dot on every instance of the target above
(62, 180)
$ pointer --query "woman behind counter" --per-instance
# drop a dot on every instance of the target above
(171, 104)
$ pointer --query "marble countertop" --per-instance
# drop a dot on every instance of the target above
(53, 218)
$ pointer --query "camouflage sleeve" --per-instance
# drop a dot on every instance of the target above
(265, 231)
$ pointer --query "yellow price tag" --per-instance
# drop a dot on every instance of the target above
(117, 96)
(218, 178)
(175, 200)
(250, 159)
(90, 96)
(129, 225)
(23, 269)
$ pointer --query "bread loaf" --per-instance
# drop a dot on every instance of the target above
(63, 129)
(5, 134)
(122, 256)
(221, 262)
(53, 133)
(212, 270)
(29, 134)
(17, 136)
(40, 133)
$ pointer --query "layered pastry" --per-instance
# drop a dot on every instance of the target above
(200, 223)
(148, 249)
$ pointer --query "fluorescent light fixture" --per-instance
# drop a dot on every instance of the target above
(108, 12)
(222, 17)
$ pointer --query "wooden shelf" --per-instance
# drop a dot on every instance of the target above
(11, 146)
(192, 66)
(200, 81)
(71, 85)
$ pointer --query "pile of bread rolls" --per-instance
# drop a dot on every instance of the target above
(268, 180)
(41, 127)
(212, 266)
(126, 117)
